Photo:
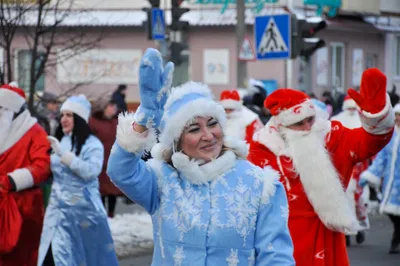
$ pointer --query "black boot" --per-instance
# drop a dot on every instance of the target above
(348, 242)
(394, 247)
(360, 238)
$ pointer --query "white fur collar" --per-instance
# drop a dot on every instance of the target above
(202, 174)
(19, 127)
(269, 137)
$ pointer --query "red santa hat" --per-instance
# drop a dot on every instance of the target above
(12, 97)
(348, 103)
(230, 99)
(289, 106)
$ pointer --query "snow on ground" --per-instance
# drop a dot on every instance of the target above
(132, 233)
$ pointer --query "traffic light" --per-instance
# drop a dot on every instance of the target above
(304, 42)
(176, 13)
(147, 23)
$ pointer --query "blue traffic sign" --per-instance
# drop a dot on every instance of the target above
(157, 24)
(272, 37)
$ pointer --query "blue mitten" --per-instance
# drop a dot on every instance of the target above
(154, 84)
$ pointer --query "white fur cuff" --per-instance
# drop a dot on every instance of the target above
(372, 179)
(67, 158)
(130, 140)
(379, 123)
(23, 179)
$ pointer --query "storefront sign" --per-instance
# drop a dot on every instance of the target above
(259, 4)
(216, 66)
(107, 66)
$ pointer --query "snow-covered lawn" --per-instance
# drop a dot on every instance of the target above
(132, 233)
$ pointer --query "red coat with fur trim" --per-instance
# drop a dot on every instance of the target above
(314, 243)
(27, 161)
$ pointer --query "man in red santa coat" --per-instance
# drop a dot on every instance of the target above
(242, 123)
(349, 118)
(24, 163)
(315, 158)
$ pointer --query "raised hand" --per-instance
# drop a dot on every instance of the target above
(372, 96)
(55, 145)
(154, 84)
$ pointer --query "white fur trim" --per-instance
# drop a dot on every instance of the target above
(67, 158)
(379, 123)
(271, 179)
(199, 175)
(372, 179)
(76, 108)
(19, 127)
(231, 104)
(23, 178)
(176, 123)
(239, 146)
(349, 103)
(187, 88)
(130, 140)
(296, 113)
(396, 108)
(11, 100)
(269, 137)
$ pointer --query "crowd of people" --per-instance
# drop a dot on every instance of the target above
(228, 182)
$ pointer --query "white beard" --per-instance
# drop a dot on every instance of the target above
(319, 176)
(6, 117)
(348, 119)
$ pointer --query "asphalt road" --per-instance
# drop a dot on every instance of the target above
(373, 252)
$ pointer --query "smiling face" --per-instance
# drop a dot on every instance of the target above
(67, 122)
(202, 139)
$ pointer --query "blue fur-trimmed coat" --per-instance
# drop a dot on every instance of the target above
(226, 212)
(385, 169)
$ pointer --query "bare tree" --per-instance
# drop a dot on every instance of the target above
(49, 27)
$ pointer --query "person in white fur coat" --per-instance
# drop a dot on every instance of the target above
(241, 123)
(209, 205)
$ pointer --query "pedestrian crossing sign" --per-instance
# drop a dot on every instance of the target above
(157, 24)
(272, 37)
(246, 51)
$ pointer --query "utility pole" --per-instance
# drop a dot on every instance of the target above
(241, 66)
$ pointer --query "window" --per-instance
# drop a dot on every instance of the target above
(23, 70)
(397, 56)
(337, 60)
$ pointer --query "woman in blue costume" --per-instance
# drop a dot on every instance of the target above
(75, 230)
(209, 205)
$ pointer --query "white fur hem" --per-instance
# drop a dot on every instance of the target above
(231, 104)
(372, 179)
(130, 140)
(239, 146)
(379, 123)
(296, 113)
(391, 209)
(23, 178)
(67, 158)
(271, 178)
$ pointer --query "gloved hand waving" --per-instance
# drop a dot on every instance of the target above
(55, 145)
(154, 84)
(372, 96)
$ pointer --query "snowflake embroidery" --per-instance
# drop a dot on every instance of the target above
(241, 210)
(258, 174)
(285, 212)
(270, 247)
(233, 259)
(179, 256)
(252, 258)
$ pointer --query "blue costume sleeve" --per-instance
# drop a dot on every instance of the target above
(273, 242)
(134, 177)
(373, 175)
(89, 164)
